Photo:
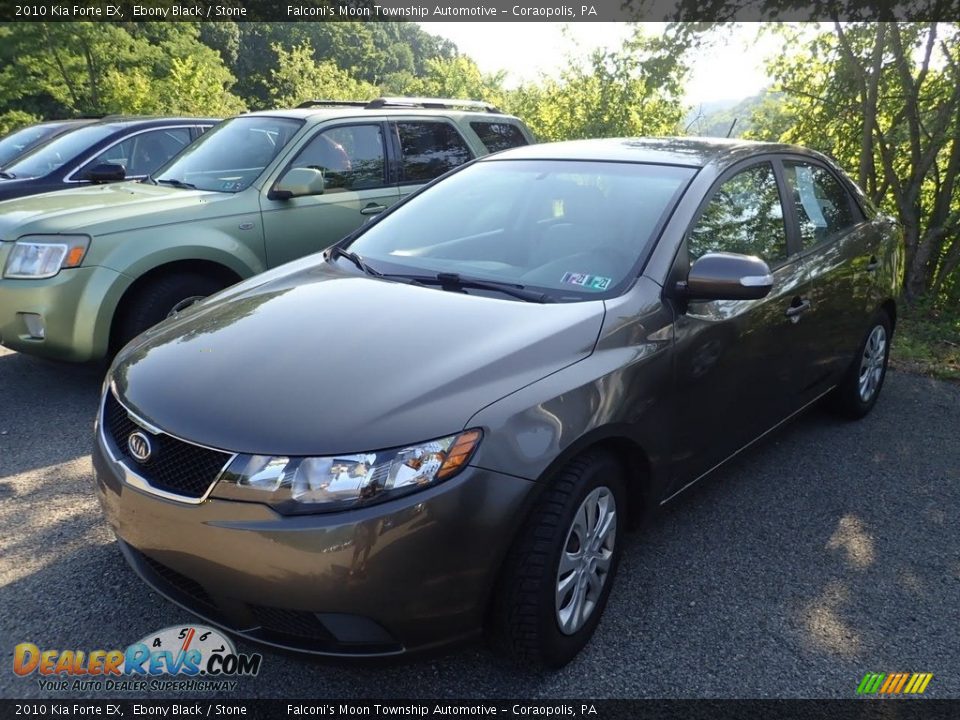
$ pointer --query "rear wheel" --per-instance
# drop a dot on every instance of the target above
(858, 391)
(559, 572)
(158, 300)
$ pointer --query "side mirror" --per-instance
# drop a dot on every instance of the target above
(727, 276)
(298, 182)
(105, 172)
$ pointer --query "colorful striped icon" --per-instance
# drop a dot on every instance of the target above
(894, 683)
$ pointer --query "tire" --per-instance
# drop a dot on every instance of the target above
(156, 300)
(534, 622)
(857, 393)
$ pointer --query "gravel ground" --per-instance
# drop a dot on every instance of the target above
(829, 551)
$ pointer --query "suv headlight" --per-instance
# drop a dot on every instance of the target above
(43, 256)
(293, 485)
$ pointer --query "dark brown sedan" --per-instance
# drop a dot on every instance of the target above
(450, 418)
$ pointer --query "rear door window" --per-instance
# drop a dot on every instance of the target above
(498, 136)
(824, 208)
(429, 149)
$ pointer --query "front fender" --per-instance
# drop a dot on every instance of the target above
(621, 391)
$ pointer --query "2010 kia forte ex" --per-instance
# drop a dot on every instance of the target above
(447, 421)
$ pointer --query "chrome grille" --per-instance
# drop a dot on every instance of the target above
(175, 466)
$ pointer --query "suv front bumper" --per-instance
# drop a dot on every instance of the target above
(74, 307)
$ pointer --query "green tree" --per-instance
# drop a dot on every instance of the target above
(456, 77)
(299, 77)
(14, 120)
(85, 68)
(884, 100)
(635, 89)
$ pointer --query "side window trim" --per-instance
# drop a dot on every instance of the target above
(384, 141)
(727, 175)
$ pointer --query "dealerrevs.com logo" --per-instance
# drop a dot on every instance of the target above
(184, 658)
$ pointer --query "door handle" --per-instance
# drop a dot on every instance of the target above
(874, 264)
(795, 311)
(373, 209)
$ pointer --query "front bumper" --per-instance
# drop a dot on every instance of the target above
(404, 575)
(75, 306)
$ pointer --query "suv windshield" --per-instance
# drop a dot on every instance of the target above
(231, 156)
(572, 229)
(16, 142)
(59, 151)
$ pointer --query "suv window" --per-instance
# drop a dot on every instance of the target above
(350, 156)
(429, 149)
(824, 209)
(498, 136)
(144, 152)
(744, 216)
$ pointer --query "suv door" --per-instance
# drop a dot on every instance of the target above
(427, 148)
(842, 251)
(738, 363)
(353, 160)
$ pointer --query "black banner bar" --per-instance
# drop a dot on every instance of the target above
(864, 709)
(476, 10)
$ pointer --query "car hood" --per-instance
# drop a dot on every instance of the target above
(322, 361)
(101, 209)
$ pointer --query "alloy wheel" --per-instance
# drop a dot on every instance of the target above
(585, 559)
(872, 363)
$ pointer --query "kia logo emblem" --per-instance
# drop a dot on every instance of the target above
(139, 446)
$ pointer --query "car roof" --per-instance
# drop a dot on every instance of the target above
(129, 121)
(687, 151)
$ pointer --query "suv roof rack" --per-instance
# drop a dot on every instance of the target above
(432, 103)
(332, 103)
(405, 102)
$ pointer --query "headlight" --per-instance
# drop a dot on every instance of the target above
(323, 484)
(43, 256)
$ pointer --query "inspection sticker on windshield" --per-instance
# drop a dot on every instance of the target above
(594, 282)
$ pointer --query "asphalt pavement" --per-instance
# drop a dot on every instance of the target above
(829, 551)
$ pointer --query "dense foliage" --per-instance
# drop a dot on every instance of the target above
(882, 98)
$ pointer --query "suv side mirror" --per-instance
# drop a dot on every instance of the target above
(298, 182)
(727, 276)
(105, 172)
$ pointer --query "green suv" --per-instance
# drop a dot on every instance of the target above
(86, 270)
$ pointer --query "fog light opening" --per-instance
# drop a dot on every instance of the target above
(35, 325)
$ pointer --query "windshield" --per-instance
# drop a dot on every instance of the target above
(59, 151)
(569, 228)
(232, 155)
(16, 142)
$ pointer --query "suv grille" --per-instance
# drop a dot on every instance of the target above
(174, 466)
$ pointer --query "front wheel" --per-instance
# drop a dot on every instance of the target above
(158, 300)
(857, 393)
(558, 574)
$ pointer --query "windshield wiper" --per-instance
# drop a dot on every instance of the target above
(177, 183)
(453, 281)
(337, 251)
(7, 175)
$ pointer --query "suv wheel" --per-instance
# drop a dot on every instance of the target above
(558, 574)
(858, 391)
(160, 299)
